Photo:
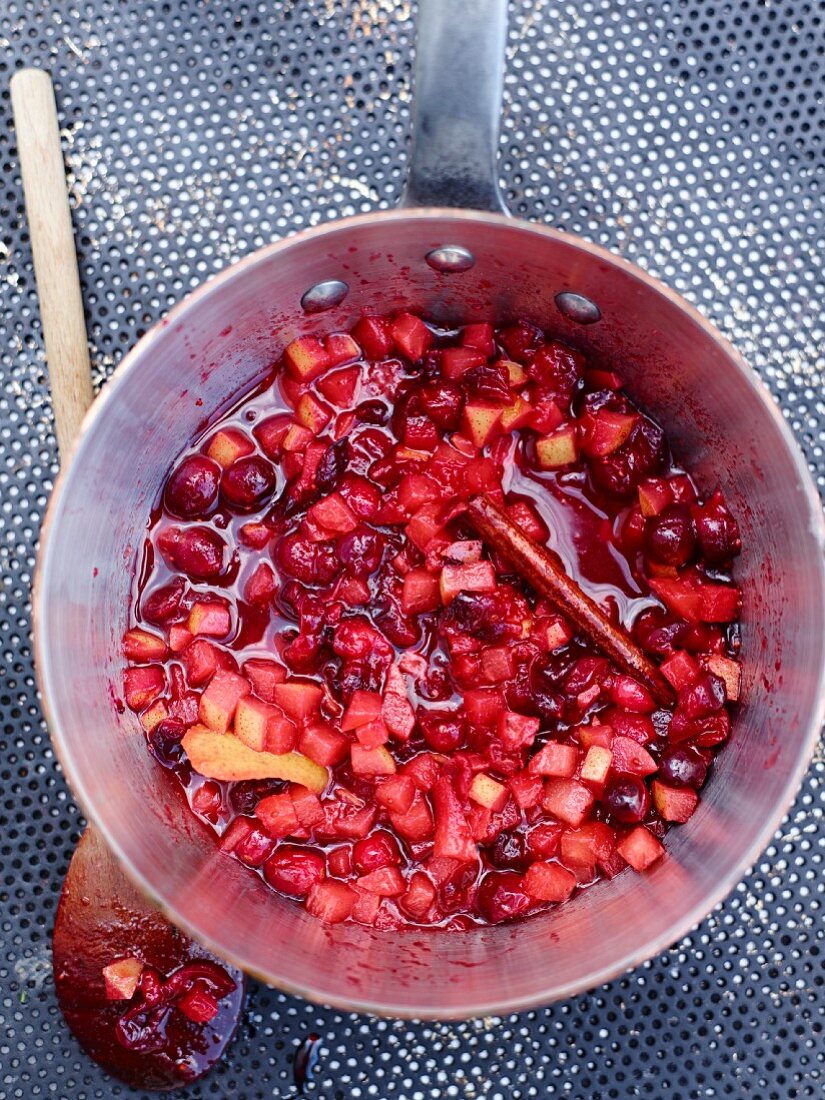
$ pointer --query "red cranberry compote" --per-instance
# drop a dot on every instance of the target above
(373, 711)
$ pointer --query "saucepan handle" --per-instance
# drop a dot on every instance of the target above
(459, 73)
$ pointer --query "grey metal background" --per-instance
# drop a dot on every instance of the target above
(686, 136)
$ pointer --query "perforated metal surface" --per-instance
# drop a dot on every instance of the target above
(687, 136)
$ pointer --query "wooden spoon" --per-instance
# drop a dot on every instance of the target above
(101, 917)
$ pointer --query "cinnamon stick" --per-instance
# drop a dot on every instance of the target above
(540, 569)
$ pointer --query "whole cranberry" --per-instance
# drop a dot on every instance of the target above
(165, 742)
(385, 472)
(163, 604)
(657, 633)
(703, 698)
(361, 496)
(248, 481)
(192, 487)
(310, 562)
(717, 530)
(683, 767)
(442, 402)
(361, 550)
(441, 728)
(356, 638)
(296, 557)
(501, 897)
(509, 852)
(303, 653)
(670, 537)
(197, 551)
(378, 850)
(627, 799)
(294, 870)
(628, 693)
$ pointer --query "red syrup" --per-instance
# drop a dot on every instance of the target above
(310, 587)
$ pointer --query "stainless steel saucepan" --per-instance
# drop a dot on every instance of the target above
(451, 252)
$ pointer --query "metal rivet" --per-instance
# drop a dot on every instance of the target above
(450, 258)
(576, 307)
(325, 295)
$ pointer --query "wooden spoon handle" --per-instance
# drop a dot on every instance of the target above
(538, 567)
(102, 917)
(53, 250)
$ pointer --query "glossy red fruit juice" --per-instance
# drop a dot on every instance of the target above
(433, 743)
